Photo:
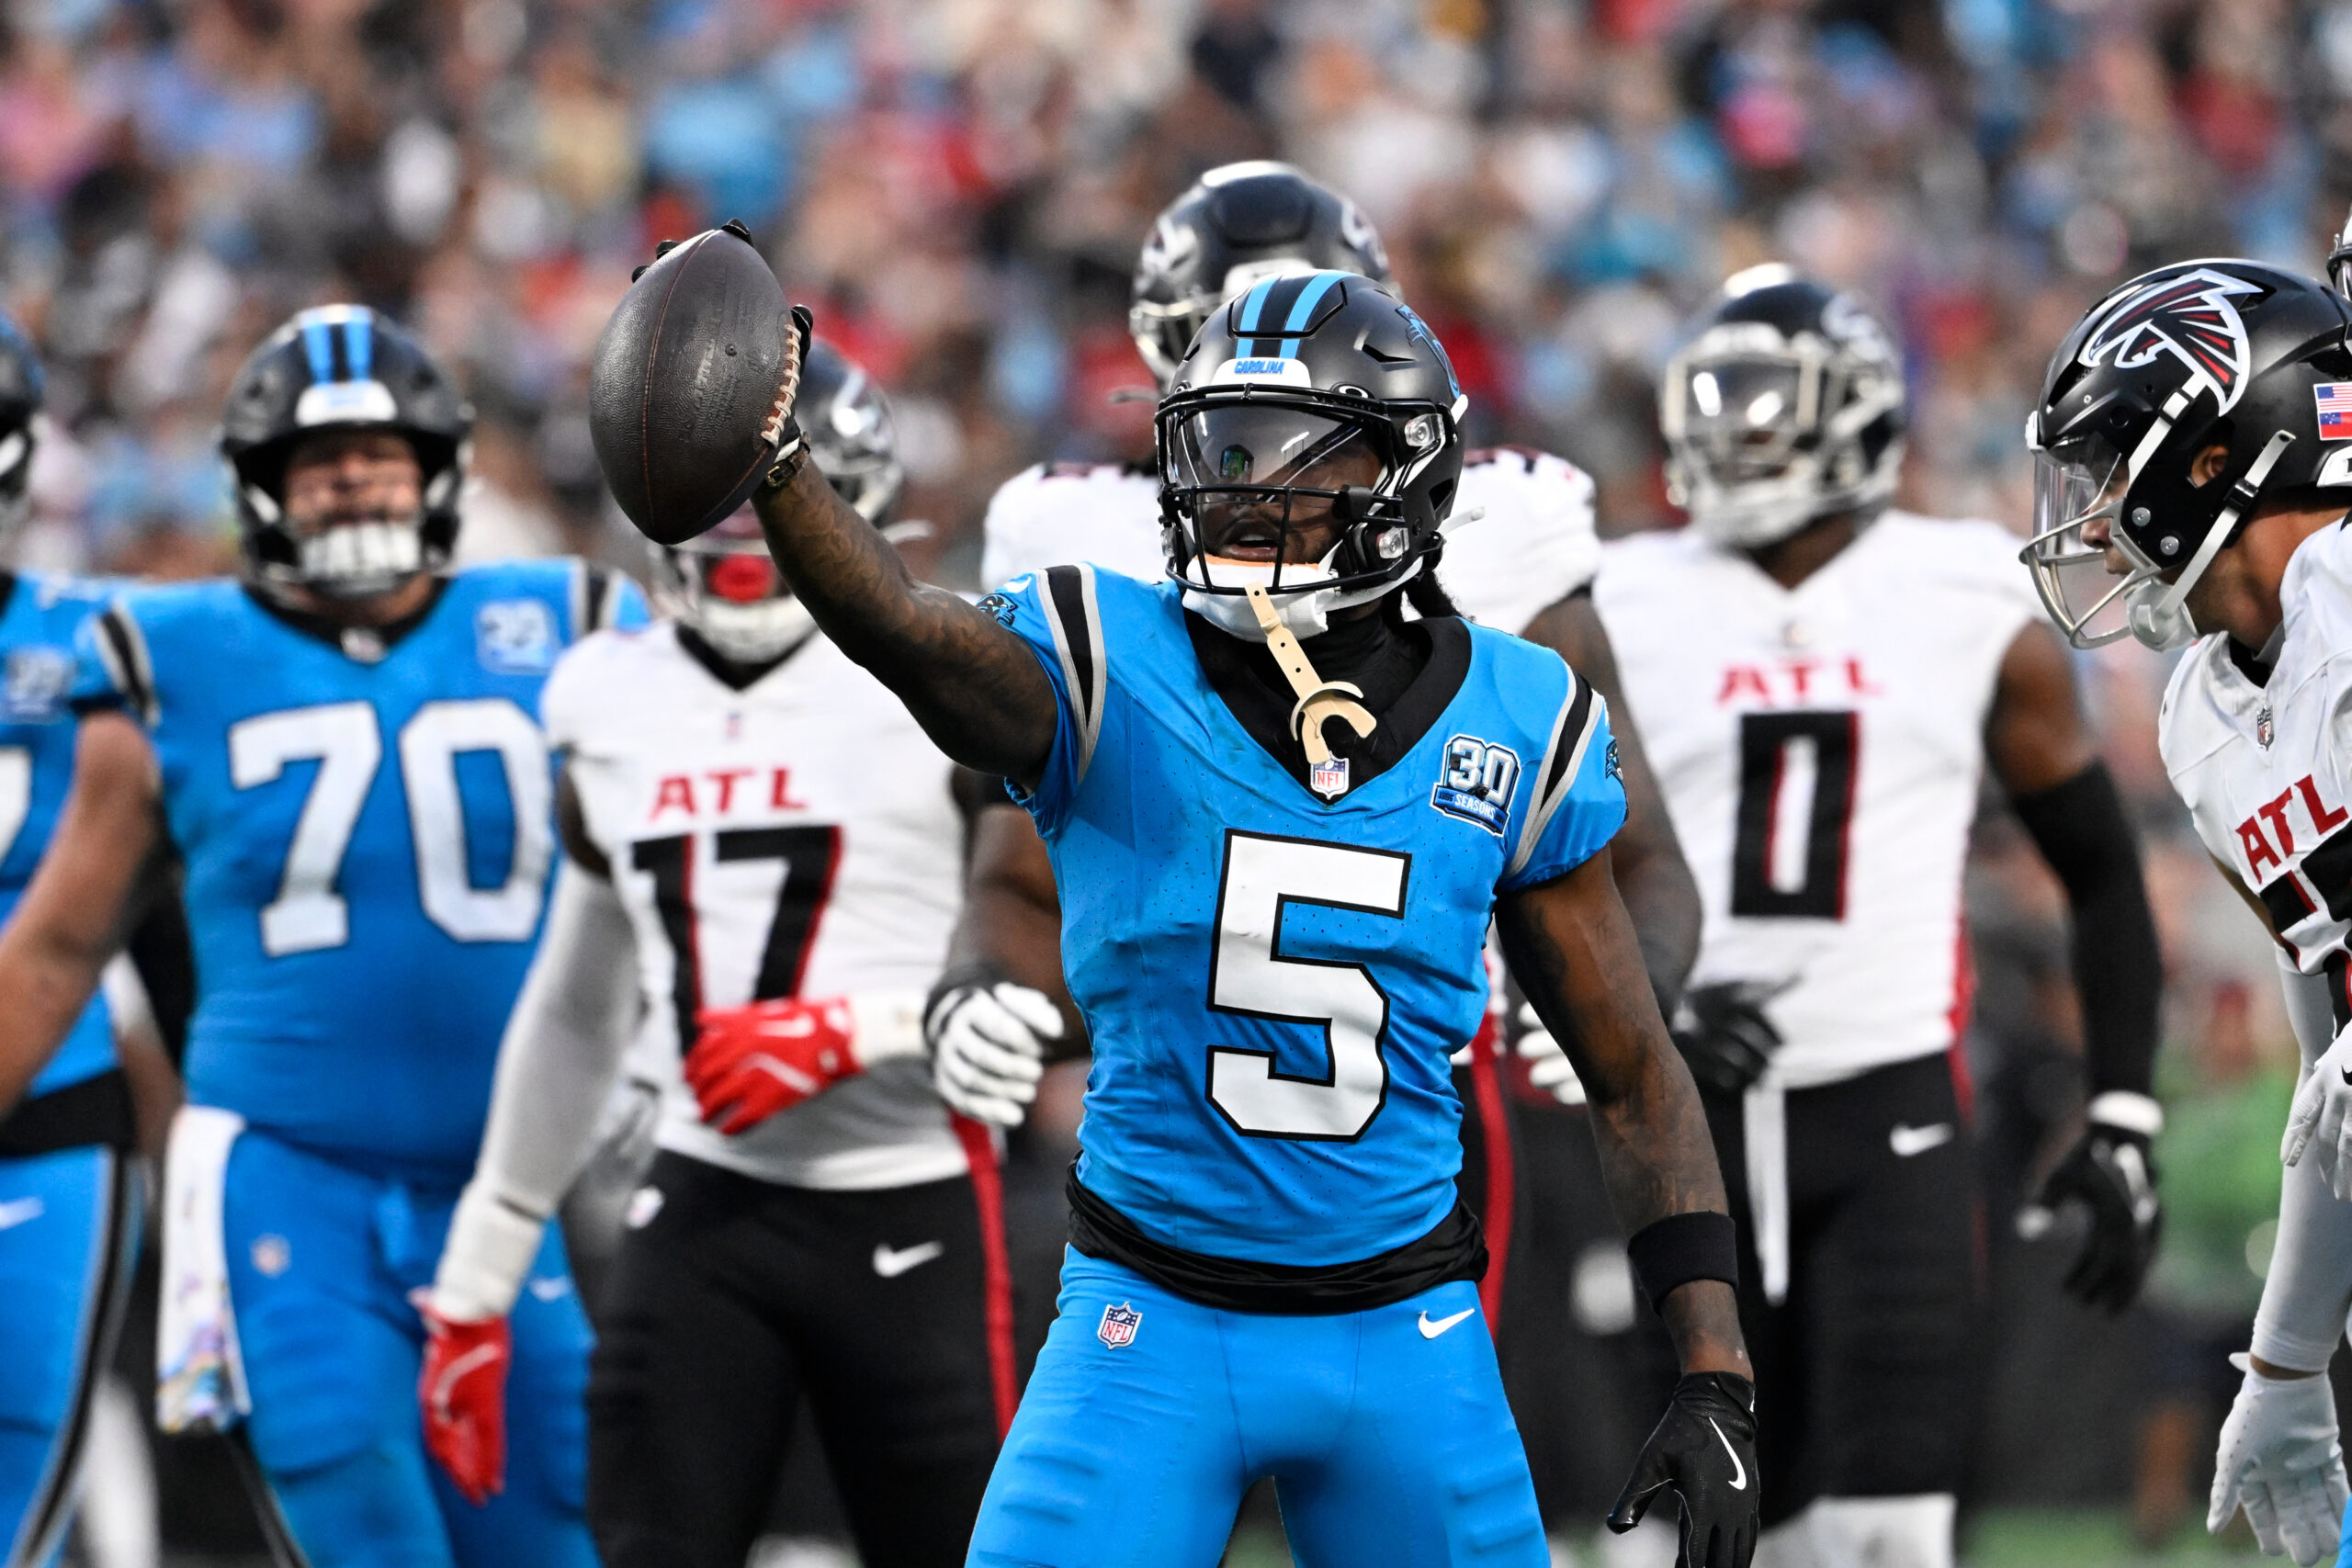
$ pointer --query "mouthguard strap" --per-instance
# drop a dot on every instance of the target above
(1319, 701)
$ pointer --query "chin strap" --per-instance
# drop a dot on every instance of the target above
(1319, 701)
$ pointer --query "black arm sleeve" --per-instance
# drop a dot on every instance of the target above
(2081, 831)
(161, 951)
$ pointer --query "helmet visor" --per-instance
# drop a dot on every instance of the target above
(1263, 483)
(1745, 416)
(2083, 565)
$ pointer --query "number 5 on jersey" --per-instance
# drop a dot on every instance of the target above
(345, 741)
(1250, 975)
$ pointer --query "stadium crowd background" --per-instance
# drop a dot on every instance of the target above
(960, 187)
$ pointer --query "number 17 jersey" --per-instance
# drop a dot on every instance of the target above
(1275, 982)
(365, 829)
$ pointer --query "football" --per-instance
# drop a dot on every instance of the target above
(683, 380)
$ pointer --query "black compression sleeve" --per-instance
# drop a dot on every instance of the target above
(2082, 831)
(161, 952)
(1670, 1253)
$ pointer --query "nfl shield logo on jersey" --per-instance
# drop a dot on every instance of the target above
(1330, 777)
(1119, 1324)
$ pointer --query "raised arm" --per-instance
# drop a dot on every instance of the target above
(82, 899)
(1652, 877)
(974, 686)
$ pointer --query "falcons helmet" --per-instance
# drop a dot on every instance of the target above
(2225, 353)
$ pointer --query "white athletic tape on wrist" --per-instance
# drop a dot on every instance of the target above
(885, 1024)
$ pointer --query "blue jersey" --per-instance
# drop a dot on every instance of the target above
(365, 829)
(37, 627)
(1273, 982)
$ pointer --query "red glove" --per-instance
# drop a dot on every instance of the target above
(751, 1062)
(463, 1393)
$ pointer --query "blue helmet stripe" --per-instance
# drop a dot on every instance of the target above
(1302, 309)
(318, 350)
(359, 345)
(1254, 308)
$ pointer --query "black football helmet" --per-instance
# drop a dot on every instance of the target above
(1300, 383)
(2198, 354)
(344, 366)
(1238, 224)
(22, 383)
(1784, 404)
(722, 583)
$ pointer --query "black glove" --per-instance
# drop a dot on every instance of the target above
(1721, 1031)
(2110, 1172)
(1705, 1448)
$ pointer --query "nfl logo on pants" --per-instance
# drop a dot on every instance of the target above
(1119, 1324)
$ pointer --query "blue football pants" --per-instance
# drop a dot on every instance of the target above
(68, 1225)
(1386, 1431)
(322, 1261)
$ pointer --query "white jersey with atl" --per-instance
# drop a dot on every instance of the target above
(1820, 751)
(2266, 770)
(797, 837)
(1532, 546)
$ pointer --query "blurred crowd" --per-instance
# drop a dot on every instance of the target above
(960, 186)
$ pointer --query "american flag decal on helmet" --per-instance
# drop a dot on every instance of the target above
(2192, 317)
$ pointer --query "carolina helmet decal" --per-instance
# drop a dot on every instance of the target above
(2192, 317)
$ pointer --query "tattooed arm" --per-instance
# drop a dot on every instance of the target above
(1572, 946)
(974, 687)
(1656, 883)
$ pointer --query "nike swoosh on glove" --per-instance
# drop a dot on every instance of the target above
(2280, 1461)
(2321, 1123)
(1548, 1067)
(1704, 1451)
(751, 1061)
(462, 1395)
(2109, 1171)
(987, 1047)
(1721, 1031)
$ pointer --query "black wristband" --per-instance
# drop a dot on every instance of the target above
(1683, 1248)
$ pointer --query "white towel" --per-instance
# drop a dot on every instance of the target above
(1764, 1121)
(199, 1374)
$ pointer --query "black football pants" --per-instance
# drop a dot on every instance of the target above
(1863, 1372)
(735, 1300)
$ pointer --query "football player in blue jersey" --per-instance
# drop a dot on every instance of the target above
(340, 750)
(1282, 817)
(67, 1192)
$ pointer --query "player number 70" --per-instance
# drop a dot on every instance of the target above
(345, 741)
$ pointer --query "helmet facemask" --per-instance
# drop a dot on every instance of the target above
(353, 550)
(1299, 495)
(725, 586)
(1766, 432)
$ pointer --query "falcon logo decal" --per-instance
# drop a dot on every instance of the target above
(2193, 318)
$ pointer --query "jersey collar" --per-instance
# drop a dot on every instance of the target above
(363, 645)
(1245, 680)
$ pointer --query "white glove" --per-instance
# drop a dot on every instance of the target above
(1548, 1067)
(2281, 1462)
(2321, 1122)
(987, 1046)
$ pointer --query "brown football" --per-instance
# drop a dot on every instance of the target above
(683, 378)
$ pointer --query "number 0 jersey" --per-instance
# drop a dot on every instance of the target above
(366, 838)
(1533, 546)
(794, 837)
(39, 614)
(1274, 983)
(2265, 770)
(1820, 751)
